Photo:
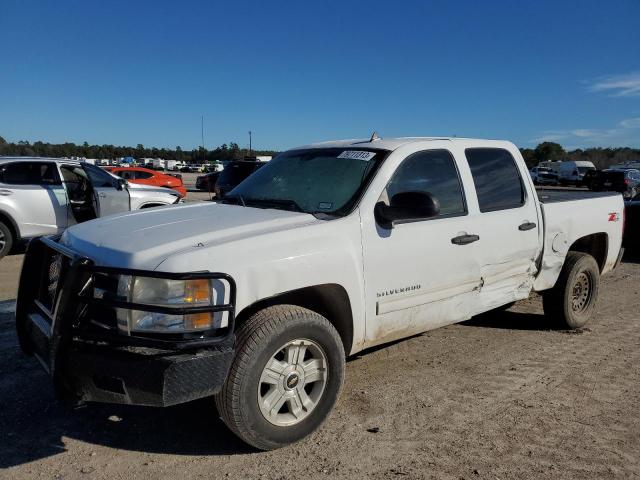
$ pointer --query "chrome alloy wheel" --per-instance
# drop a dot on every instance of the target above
(581, 292)
(292, 382)
(3, 241)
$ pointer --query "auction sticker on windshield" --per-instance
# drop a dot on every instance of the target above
(357, 155)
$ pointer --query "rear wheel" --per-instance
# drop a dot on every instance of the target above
(6, 239)
(285, 378)
(572, 300)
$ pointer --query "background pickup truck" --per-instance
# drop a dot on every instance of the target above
(325, 251)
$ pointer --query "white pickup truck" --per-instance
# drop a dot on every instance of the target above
(327, 250)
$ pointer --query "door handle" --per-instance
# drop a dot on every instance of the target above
(465, 239)
(5, 193)
(527, 226)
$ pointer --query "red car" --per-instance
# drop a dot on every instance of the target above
(149, 177)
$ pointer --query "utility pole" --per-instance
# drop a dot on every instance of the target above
(250, 143)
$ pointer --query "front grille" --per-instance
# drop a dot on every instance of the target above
(80, 300)
(105, 287)
(54, 267)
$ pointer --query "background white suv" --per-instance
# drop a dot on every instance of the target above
(41, 196)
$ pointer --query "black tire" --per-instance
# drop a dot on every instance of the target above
(6, 240)
(257, 341)
(566, 303)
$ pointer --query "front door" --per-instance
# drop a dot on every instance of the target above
(423, 274)
(110, 196)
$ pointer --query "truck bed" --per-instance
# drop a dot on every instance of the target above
(549, 195)
(571, 215)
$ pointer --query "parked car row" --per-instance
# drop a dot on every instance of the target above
(562, 173)
(43, 196)
(222, 182)
(146, 176)
(623, 180)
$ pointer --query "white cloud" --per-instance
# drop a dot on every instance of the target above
(631, 123)
(627, 85)
(624, 133)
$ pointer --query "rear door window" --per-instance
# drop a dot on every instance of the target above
(29, 173)
(496, 178)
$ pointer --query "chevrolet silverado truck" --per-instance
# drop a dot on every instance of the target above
(327, 250)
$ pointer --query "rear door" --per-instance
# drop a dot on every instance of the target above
(509, 226)
(110, 198)
(34, 191)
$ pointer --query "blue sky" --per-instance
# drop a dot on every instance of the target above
(128, 72)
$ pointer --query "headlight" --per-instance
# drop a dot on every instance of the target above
(170, 293)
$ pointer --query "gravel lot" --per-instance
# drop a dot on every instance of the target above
(501, 396)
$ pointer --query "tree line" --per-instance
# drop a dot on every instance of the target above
(230, 151)
(601, 157)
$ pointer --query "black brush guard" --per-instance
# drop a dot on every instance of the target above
(89, 361)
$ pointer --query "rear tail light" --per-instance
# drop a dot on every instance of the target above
(627, 181)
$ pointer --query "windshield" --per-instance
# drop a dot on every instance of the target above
(584, 169)
(328, 180)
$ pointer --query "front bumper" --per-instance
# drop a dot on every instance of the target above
(88, 361)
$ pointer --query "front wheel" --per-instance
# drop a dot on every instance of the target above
(285, 378)
(572, 300)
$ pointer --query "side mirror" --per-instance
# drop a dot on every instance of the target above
(121, 183)
(407, 207)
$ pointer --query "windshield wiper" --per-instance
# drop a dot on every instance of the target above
(235, 197)
(276, 202)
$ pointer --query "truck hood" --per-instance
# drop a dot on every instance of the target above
(144, 238)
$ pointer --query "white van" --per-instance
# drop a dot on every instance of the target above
(573, 172)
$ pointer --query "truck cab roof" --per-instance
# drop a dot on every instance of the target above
(391, 144)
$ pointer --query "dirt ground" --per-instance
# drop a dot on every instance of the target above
(501, 396)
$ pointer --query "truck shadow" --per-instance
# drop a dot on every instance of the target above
(512, 321)
(631, 256)
(34, 425)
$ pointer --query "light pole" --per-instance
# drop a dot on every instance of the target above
(250, 143)
(202, 133)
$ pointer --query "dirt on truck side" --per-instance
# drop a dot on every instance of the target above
(504, 395)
